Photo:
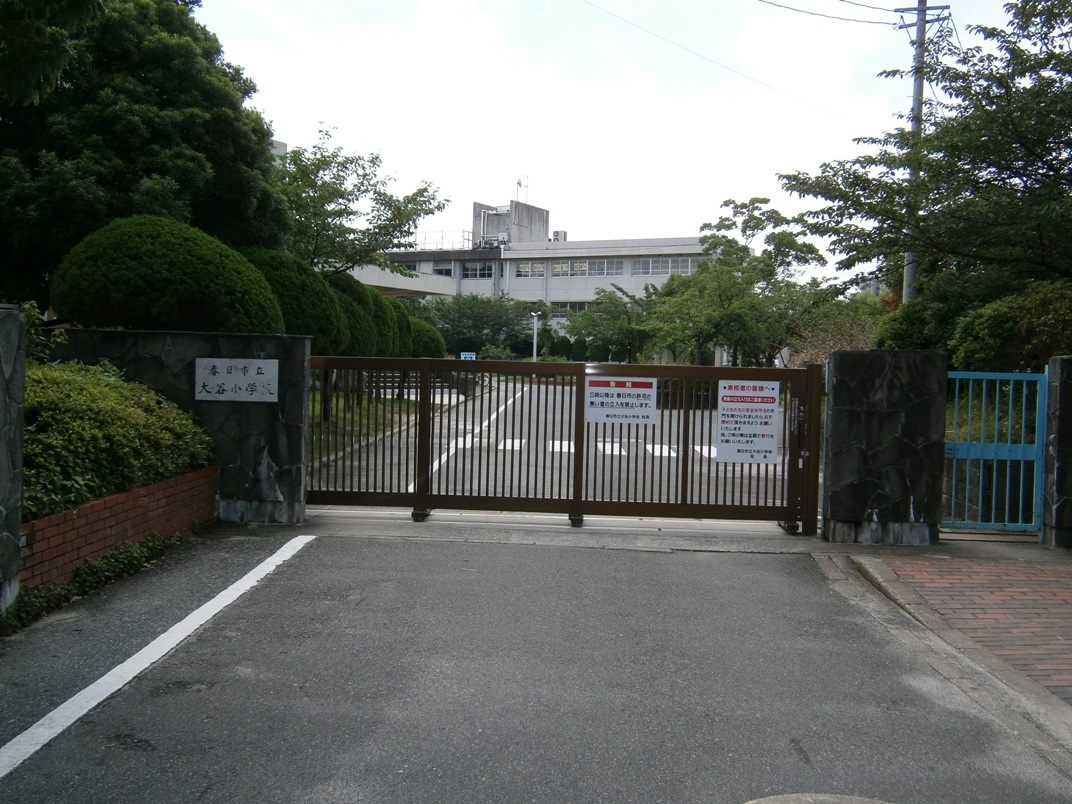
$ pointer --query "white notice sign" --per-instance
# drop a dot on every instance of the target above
(748, 421)
(231, 379)
(628, 400)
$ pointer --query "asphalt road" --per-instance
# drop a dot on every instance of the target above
(514, 661)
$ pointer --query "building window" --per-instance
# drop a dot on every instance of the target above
(664, 266)
(443, 268)
(578, 268)
(559, 310)
(477, 270)
(560, 268)
(683, 265)
(527, 269)
(606, 267)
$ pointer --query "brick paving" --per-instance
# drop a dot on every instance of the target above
(1020, 610)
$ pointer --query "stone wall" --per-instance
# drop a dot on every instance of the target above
(12, 396)
(884, 448)
(1057, 494)
(260, 446)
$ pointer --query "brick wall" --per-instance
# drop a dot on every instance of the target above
(53, 546)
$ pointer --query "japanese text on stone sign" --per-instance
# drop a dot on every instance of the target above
(228, 379)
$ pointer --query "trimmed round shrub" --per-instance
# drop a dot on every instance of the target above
(427, 342)
(383, 321)
(146, 272)
(352, 297)
(403, 344)
(309, 307)
(90, 433)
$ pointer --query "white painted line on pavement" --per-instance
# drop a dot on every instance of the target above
(457, 443)
(55, 722)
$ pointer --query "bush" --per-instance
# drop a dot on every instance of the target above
(1016, 333)
(403, 344)
(427, 342)
(152, 273)
(89, 433)
(579, 351)
(383, 322)
(353, 301)
(495, 351)
(309, 307)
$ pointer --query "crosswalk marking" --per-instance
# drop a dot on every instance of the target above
(512, 444)
(562, 446)
(611, 447)
(662, 451)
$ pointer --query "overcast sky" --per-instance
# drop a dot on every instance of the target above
(624, 118)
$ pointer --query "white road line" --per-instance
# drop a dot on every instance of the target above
(468, 442)
(55, 722)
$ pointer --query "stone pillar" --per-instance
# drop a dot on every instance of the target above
(260, 446)
(884, 448)
(1057, 492)
(12, 397)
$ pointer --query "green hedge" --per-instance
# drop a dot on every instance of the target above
(153, 273)
(354, 301)
(89, 433)
(427, 342)
(309, 306)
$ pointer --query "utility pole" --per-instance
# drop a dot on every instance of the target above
(919, 64)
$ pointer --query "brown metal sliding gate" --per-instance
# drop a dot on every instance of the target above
(571, 438)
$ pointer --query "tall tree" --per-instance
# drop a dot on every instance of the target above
(149, 118)
(35, 45)
(740, 299)
(994, 161)
(344, 215)
(615, 317)
(470, 321)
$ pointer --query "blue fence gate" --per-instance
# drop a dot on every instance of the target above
(994, 451)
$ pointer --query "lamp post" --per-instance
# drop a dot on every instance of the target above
(535, 321)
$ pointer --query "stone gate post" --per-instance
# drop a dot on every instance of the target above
(884, 447)
(12, 397)
(1057, 493)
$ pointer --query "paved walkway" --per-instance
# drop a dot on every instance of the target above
(1019, 609)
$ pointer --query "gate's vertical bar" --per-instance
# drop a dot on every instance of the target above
(1042, 396)
(684, 464)
(554, 439)
(952, 453)
(576, 514)
(1024, 386)
(424, 441)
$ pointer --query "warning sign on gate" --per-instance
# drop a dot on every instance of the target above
(748, 421)
(628, 400)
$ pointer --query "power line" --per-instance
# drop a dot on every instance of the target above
(831, 16)
(690, 51)
(865, 5)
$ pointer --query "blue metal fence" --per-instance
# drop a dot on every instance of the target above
(996, 435)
